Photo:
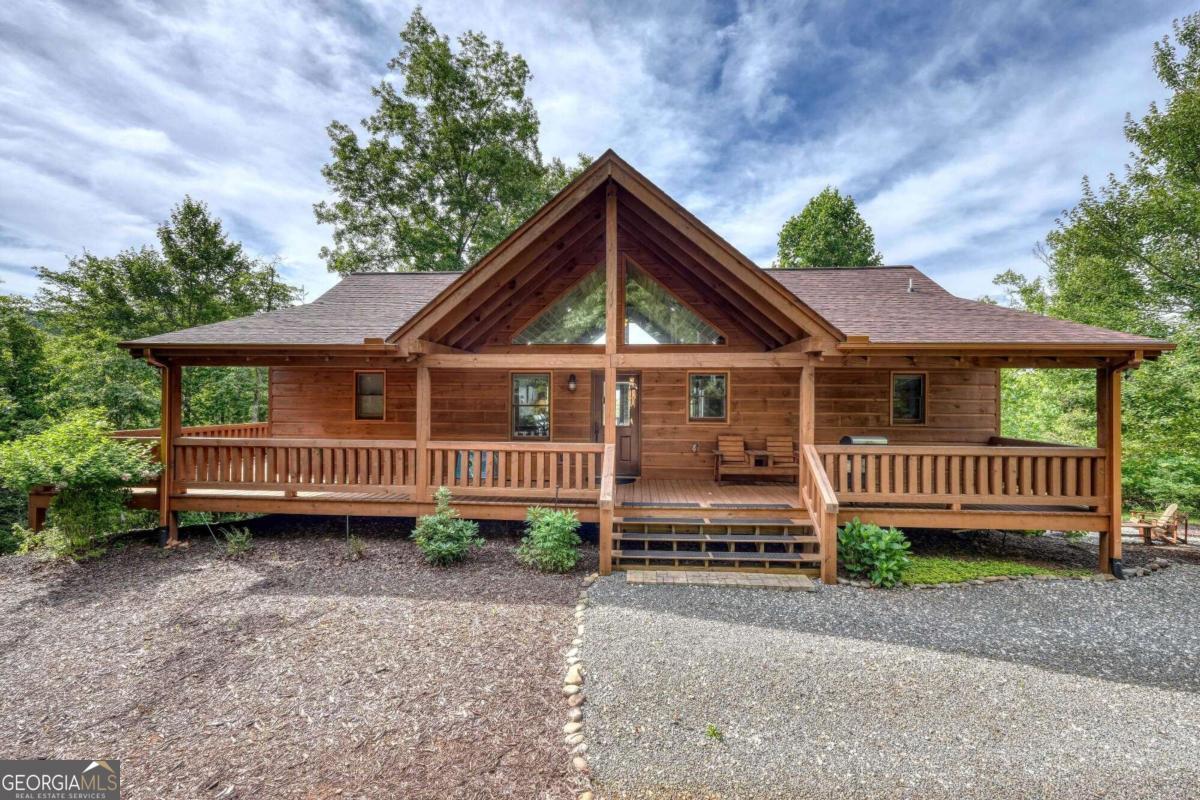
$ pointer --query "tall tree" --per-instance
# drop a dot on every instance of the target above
(451, 164)
(1127, 256)
(1147, 223)
(199, 276)
(829, 232)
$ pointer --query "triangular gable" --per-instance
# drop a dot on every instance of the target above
(473, 286)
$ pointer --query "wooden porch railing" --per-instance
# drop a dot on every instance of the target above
(249, 430)
(517, 469)
(958, 475)
(207, 462)
(608, 480)
(818, 499)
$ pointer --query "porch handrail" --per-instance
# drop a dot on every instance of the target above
(954, 475)
(821, 503)
(608, 480)
(253, 429)
(293, 464)
(552, 470)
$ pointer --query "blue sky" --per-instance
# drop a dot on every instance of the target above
(962, 129)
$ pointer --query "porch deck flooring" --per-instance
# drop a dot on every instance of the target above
(656, 493)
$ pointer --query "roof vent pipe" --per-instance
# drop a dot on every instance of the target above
(910, 286)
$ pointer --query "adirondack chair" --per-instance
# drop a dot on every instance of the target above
(781, 452)
(1166, 528)
(732, 458)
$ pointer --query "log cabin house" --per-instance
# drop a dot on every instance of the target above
(595, 358)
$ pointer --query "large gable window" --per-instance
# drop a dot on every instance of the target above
(575, 318)
(531, 406)
(653, 315)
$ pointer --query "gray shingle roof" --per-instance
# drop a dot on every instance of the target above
(875, 302)
(362, 305)
(870, 301)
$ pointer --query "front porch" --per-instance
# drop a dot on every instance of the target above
(767, 526)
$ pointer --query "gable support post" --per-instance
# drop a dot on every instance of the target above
(170, 429)
(611, 330)
(421, 490)
(1108, 438)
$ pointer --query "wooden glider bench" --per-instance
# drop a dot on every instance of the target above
(779, 459)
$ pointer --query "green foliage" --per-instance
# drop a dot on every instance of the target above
(1125, 258)
(551, 541)
(92, 472)
(443, 536)
(866, 549)
(829, 232)
(711, 731)
(935, 569)
(197, 277)
(356, 548)
(238, 541)
(451, 163)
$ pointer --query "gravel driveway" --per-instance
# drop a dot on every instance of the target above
(293, 672)
(1009, 690)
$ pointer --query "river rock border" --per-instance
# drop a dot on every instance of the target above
(573, 691)
(1100, 577)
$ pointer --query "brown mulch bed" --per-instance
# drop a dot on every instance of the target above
(1050, 549)
(293, 671)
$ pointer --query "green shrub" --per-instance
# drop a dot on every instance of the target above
(551, 541)
(866, 549)
(356, 548)
(443, 536)
(92, 472)
(238, 541)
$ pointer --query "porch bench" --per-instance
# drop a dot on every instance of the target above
(734, 460)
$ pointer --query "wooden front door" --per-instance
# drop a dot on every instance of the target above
(629, 420)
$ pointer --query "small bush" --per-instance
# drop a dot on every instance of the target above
(356, 548)
(238, 541)
(92, 472)
(714, 733)
(443, 536)
(551, 541)
(870, 550)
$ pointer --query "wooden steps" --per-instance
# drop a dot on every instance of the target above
(717, 539)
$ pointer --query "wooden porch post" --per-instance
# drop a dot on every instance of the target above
(422, 435)
(808, 424)
(170, 428)
(1108, 437)
(612, 322)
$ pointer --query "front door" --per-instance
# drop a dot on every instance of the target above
(629, 420)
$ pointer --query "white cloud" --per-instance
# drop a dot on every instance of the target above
(961, 143)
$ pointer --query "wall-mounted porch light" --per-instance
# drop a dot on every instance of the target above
(572, 384)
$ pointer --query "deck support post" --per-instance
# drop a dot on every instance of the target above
(169, 430)
(1108, 437)
(422, 435)
(612, 327)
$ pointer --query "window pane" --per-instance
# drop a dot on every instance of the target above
(575, 318)
(368, 395)
(908, 399)
(706, 396)
(625, 391)
(531, 406)
(655, 316)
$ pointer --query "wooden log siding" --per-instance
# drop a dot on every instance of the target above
(947, 475)
(465, 404)
(294, 464)
(517, 469)
(962, 408)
